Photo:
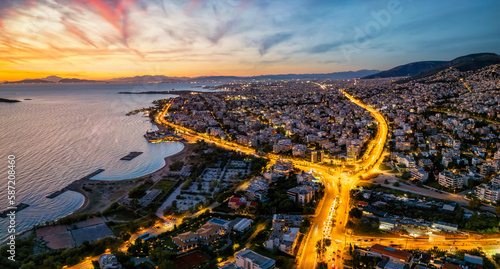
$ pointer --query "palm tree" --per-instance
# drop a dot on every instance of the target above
(320, 248)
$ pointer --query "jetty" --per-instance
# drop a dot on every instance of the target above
(131, 155)
(74, 184)
(17, 208)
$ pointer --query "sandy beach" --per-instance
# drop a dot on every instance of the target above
(122, 186)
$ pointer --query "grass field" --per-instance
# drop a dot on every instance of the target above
(384, 167)
(164, 185)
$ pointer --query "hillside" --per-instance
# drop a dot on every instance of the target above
(418, 70)
(410, 69)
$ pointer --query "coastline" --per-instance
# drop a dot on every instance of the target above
(155, 175)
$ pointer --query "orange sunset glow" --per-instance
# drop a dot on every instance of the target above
(102, 39)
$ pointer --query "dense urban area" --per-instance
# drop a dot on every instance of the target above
(358, 173)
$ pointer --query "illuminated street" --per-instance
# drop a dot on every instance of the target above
(336, 183)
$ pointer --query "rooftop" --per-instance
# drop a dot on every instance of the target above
(262, 261)
(392, 252)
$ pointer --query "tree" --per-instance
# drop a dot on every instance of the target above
(497, 210)
(320, 248)
(406, 175)
(395, 184)
(176, 166)
(474, 203)
(267, 148)
(355, 213)
(30, 265)
(322, 265)
(125, 236)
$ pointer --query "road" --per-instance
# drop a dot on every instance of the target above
(458, 198)
(334, 206)
(338, 184)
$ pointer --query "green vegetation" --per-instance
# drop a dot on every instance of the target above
(120, 212)
(322, 265)
(164, 185)
(474, 203)
(362, 262)
(366, 226)
(279, 202)
(139, 191)
(258, 164)
(487, 263)
(384, 167)
(482, 224)
(355, 213)
(187, 184)
(176, 166)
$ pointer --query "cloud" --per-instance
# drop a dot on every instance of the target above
(79, 33)
(272, 41)
(115, 12)
(8, 8)
(325, 47)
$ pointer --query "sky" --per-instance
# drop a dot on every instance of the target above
(102, 39)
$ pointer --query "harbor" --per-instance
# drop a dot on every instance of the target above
(161, 136)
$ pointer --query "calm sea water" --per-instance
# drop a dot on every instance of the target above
(68, 131)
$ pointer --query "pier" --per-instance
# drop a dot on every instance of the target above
(18, 208)
(74, 184)
(131, 155)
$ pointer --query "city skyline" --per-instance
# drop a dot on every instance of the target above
(106, 39)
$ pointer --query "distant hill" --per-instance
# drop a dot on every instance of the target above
(205, 79)
(76, 80)
(27, 81)
(335, 75)
(149, 79)
(410, 69)
(52, 78)
(423, 69)
(224, 79)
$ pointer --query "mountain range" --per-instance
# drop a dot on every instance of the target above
(411, 71)
(417, 70)
(203, 79)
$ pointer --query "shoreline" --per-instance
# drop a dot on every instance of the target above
(86, 198)
(164, 168)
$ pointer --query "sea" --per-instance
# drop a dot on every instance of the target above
(60, 133)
